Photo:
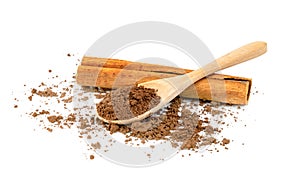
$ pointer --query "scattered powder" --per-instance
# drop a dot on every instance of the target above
(55, 119)
(183, 131)
(96, 145)
(51, 102)
(37, 113)
(47, 92)
(179, 122)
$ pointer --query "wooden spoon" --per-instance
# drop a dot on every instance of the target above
(169, 88)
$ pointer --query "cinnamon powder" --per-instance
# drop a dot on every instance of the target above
(128, 102)
(177, 123)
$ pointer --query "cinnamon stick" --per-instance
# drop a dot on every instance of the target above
(112, 73)
(128, 65)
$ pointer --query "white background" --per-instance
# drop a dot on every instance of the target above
(36, 35)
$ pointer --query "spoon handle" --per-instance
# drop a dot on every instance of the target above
(242, 54)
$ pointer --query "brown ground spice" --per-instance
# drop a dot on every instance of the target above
(92, 157)
(150, 128)
(225, 141)
(127, 102)
(51, 102)
(53, 119)
(181, 130)
(178, 123)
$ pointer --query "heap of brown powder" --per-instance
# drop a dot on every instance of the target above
(127, 102)
(181, 127)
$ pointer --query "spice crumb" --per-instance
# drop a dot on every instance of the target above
(92, 157)
(225, 141)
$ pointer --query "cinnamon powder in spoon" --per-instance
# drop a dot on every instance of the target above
(127, 102)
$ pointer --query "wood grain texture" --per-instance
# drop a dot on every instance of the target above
(128, 65)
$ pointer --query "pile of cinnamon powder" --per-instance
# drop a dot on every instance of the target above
(127, 102)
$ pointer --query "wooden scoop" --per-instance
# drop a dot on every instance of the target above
(169, 88)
